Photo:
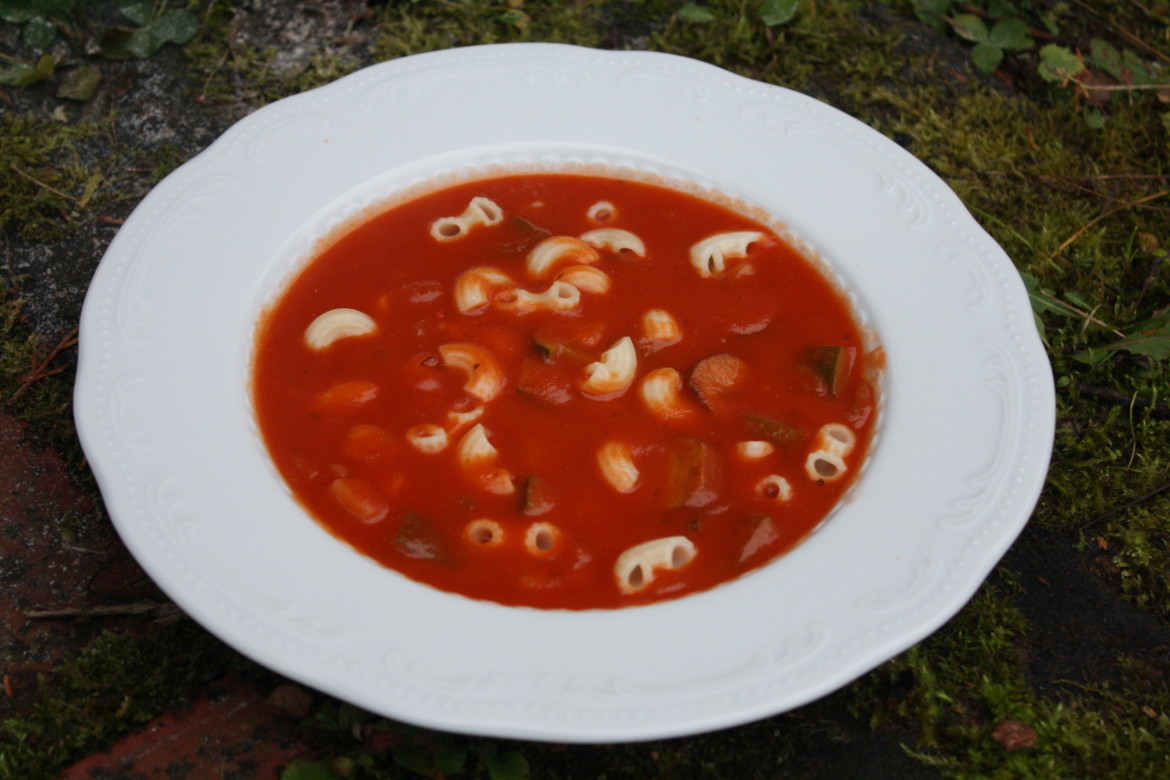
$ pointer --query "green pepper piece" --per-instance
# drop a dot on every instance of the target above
(831, 365)
(418, 538)
(694, 475)
(769, 428)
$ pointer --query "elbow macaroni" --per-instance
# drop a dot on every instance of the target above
(475, 449)
(428, 438)
(774, 488)
(638, 566)
(560, 296)
(661, 392)
(542, 539)
(754, 450)
(555, 251)
(474, 287)
(615, 240)
(614, 372)
(476, 456)
(480, 211)
(826, 461)
(485, 378)
(601, 211)
(484, 533)
(617, 466)
(660, 325)
(710, 255)
(337, 324)
(586, 278)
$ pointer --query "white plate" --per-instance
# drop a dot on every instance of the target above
(165, 419)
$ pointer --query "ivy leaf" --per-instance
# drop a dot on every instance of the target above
(21, 11)
(998, 8)
(416, 758)
(1106, 57)
(987, 57)
(39, 32)
(517, 19)
(1138, 73)
(777, 12)
(302, 769)
(690, 12)
(137, 11)
(178, 25)
(450, 760)
(21, 74)
(1058, 64)
(933, 13)
(1010, 35)
(509, 765)
(970, 27)
(16, 12)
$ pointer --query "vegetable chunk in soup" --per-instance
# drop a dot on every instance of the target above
(564, 391)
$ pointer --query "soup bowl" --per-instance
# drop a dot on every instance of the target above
(166, 419)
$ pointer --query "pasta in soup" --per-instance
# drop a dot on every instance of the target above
(560, 390)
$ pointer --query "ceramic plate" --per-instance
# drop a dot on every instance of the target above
(164, 414)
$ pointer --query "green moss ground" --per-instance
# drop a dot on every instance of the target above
(1082, 210)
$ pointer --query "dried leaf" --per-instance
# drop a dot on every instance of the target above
(1152, 339)
(80, 83)
(21, 74)
(1014, 735)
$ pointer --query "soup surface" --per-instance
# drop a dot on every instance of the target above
(564, 391)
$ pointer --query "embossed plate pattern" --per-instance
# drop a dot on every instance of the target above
(163, 410)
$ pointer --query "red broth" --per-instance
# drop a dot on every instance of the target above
(768, 351)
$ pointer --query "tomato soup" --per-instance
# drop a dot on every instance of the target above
(564, 391)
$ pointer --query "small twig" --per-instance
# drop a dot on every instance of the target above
(42, 370)
(1109, 213)
(1088, 315)
(161, 611)
(1116, 87)
(1127, 505)
(207, 82)
(1096, 176)
(1157, 411)
(40, 183)
(1124, 32)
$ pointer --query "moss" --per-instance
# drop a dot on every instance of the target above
(228, 70)
(44, 403)
(44, 183)
(120, 682)
(959, 684)
(414, 29)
